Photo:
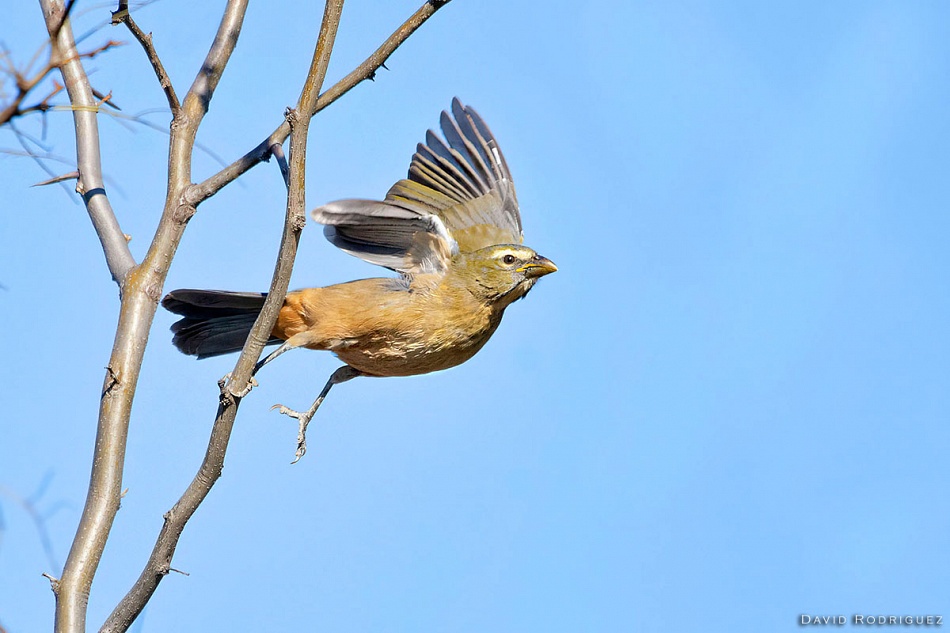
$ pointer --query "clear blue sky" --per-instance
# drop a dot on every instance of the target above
(729, 407)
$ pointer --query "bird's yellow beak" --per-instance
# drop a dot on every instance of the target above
(538, 267)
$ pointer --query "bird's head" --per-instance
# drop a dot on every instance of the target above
(502, 273)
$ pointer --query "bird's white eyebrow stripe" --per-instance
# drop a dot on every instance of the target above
(510, 251)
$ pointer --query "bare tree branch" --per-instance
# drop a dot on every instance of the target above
(141, 288)
(90, 184)
(367, 70)
(159, 562)
(102, 500)
(364, 71)
(141, 284)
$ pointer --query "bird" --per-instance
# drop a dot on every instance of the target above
(451, 230)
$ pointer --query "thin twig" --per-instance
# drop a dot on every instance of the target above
(26, 85)
(367, 69)
(57, 179)
(145, 39)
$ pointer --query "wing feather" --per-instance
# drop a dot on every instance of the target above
(394, 237)
(459, 196)
(452, 162)
(437, 178)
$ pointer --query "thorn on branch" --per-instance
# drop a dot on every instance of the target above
(178, 571)
(57, 179)
(113, 382)
(105, 99)
(102, 99)
(53, 582)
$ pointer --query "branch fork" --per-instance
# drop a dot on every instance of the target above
(140, 283)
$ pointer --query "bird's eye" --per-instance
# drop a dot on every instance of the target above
(508, 259)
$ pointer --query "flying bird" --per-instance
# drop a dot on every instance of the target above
(452, 230)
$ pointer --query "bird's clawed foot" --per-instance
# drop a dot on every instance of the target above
(225, 383)
(340, 375)
(303, 419)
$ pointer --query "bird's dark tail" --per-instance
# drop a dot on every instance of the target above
(215, 322)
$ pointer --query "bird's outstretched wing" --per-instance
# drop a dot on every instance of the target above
(459, 196)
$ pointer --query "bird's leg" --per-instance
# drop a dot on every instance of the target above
(340, 375)
(286, 346)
